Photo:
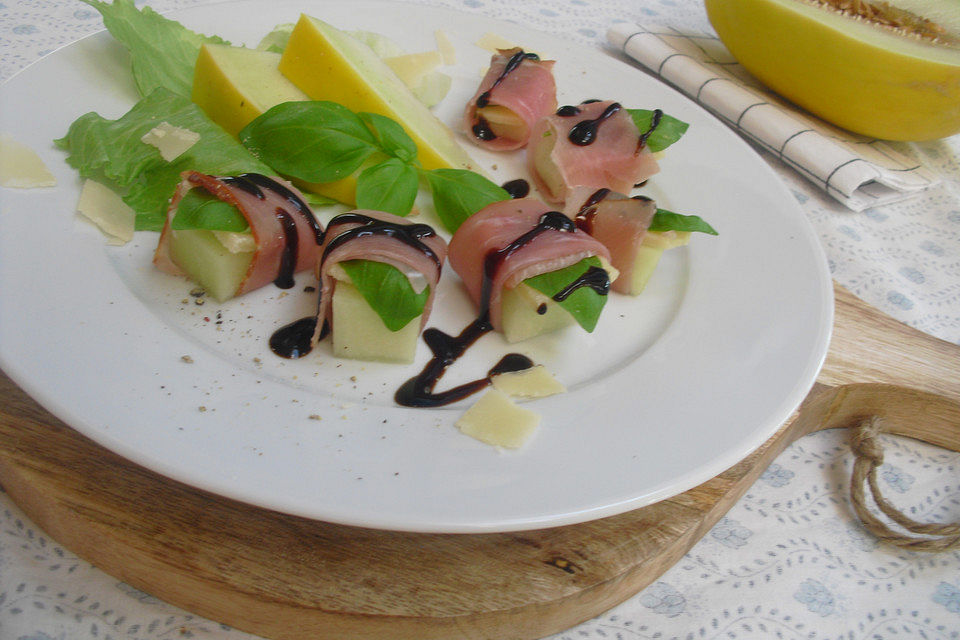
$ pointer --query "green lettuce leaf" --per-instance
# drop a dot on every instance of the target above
(388, 291)
(668, 131)
(111, 152)
(162, 51)
(664, 220)
(584, 304)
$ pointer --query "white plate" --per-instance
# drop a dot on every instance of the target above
(672, 388)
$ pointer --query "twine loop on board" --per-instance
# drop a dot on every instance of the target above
(869, 456)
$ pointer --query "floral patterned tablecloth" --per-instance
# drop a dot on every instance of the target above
(788, 561)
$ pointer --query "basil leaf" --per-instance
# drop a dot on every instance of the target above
(668, 131)
(111, 152)
(390, 186)
(458, 194)
(315, 141)
(387, 290)
(199, 209)
(162, 52)
(664, 220)
(584, 304)
(391, 136)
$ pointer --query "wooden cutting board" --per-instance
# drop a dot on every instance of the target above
(285, 577)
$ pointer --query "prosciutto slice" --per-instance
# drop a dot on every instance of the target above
(618, 221)
(382, 237)
(595, 144)
(517, 90)
(286, 233)
(509, 241)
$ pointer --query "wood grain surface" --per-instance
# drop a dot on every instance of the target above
(285, 577)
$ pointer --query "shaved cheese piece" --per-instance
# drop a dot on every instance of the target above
(21, 167)
(492, 42)
(445, 47)
(236, 242)
(102, 206)
(535, 382)
(412, 67)
(495, 420)
(171, 141)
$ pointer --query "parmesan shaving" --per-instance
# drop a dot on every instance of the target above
(492, 42)
(236, 242)
(495, 420)
(445, 47)
(535, 382)
(21, 167)
(102, 206)
(171, 141)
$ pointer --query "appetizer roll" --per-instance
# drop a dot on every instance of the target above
(517, 90)
(234, 234)
(595, 144)
(633, 229)
(530, 270)
(378, 275)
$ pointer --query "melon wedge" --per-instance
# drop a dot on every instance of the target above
(328, 64)
(862, 77)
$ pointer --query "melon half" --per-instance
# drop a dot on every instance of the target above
(898, 81)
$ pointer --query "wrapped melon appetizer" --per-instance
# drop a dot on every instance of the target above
(633, 229)
(530, 270)
(517, 90)
(234, 234)
(378, 275)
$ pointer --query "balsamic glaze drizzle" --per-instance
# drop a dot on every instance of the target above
(585, 132)
(654, 123)
(288, 258)
(481, 129)
(595, 278)
(419, 390)
(518, 188)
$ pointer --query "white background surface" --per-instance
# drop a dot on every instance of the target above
(786, 561)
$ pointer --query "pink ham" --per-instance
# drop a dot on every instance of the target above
(610, 153)
(617, 221)
(516, 82)
(381, 237)
(494, 229)
(265, 203)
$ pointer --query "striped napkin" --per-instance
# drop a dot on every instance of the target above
(857, 171)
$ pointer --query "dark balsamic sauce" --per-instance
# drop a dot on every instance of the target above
(568, 111)
(288, 259)
(595, 278)
(295, 340)
(584, 217)
(585, 132)
(542, 309)
(518, 188)
(481, 129)
(654, 123)
(419, 390)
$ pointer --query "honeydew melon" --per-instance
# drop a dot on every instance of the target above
(357, 331)
(651, 249)
(526, 313)
(892, 83)
(329, 64)
(208, 262)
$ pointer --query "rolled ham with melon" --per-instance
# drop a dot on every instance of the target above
(517, 91)
(413, 249)
(502, 246)
(622, 224)
(282, 238)
(594, 144)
